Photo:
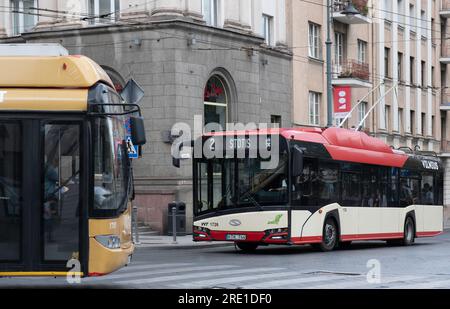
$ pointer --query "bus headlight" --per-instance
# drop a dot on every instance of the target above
(109, 241)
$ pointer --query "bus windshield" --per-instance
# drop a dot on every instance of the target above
(235, 182)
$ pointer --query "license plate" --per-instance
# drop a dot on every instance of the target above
(236, 237)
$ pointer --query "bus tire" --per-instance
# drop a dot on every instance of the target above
(409, 232)
(329, 236)
(247, 246)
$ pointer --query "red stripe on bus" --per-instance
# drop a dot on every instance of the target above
(96, 274)
(428, 234)
(373, 236)
(306, 240)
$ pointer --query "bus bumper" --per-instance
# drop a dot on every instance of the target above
(276, 236)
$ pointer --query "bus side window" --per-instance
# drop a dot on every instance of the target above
(304, 185)
(427, 190)
(328, 183)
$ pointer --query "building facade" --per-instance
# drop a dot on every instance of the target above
(392, 56)
(225, 61)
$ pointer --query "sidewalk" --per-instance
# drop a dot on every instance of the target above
(183, 242)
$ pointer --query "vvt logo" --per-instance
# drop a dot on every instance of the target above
(235, 222)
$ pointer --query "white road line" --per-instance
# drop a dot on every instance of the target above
(213, 282)
(179, 269)
(361, 281)
(133, 267)
(291, 282)
(426, 285)
(199, 275)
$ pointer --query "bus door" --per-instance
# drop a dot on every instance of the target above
(41, 181)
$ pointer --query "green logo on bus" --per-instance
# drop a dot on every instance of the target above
(276, 220)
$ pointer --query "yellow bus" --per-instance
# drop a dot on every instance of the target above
(65, 172)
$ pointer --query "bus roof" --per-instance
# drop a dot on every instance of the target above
(50, 72)
(341, 144)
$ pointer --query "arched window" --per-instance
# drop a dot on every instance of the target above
(216, 102)
(116, 78)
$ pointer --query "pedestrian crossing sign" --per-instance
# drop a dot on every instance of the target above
(133, 152)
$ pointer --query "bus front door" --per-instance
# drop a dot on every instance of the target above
(40, 196)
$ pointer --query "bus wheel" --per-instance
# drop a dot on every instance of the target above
(408, 236)
(247, 246)
(330, 236)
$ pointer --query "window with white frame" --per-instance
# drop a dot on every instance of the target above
(314, 40)
(210, 10)
(412, 17)
(388, 9)
(401, 12)
(423, 23)
(362, 51)
(339, 45)
(104, 11)
(23, 18)
(362, 110)
(314, 108)
(267, 29)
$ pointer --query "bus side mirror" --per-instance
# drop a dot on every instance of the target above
(297, 161)
(137, 131)
(176, 162)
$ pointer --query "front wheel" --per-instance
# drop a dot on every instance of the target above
(329, 237)
(247, 246)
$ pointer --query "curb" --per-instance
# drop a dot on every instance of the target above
(173, 247)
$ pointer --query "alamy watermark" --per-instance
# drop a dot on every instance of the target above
(237, 140)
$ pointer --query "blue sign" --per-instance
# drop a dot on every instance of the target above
(133, 151)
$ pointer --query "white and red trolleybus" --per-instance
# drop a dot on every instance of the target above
(329, 187)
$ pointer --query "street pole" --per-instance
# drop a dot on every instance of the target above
(328, 44)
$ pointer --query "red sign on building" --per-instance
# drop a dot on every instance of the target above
(342, 101)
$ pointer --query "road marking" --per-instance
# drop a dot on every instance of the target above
(179, 269)
(133, 267)
(291, 282)
(362, 281)
(426, 285)
(199, 275)
(213, 282)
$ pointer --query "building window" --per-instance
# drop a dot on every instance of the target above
(275, 120)
(314, 107)
(387, 118)
(412, 17)
(432, 77)
(362, 51)
(424, 26)
(423, 72)
(216, 102)
(314, 41)
(210, 10)
(23, 17)
(339, 44)
(267, 31)
(400, 67)
(103, 10)
(388, 9)
(387, 52)
(411, 70)
(423, 121)
(401, 12)
(362, 110)
(412, 120)
(401, 130)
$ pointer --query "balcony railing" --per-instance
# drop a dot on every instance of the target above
(352, 69)
(445, 146)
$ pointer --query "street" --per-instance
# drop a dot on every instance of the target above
(424, 265)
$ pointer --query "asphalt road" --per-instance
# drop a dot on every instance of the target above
(424, 265)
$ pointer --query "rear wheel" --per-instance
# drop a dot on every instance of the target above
(329, 237)
(408, 234)
(247, 246)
